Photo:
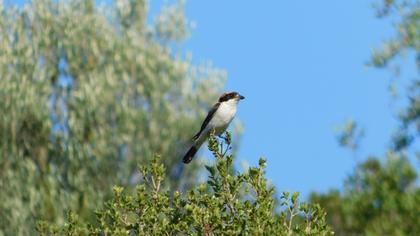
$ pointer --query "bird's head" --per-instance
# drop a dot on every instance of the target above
(234, 96)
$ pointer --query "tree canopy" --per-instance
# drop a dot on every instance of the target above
(87, 92)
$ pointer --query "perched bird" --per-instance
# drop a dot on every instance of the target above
(217, 120)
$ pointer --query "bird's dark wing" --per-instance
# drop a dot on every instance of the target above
(207, 120)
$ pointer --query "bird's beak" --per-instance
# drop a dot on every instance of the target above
(241, 97)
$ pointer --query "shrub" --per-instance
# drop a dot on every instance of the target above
(229, 203)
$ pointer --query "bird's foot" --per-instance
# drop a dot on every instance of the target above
(222, 137)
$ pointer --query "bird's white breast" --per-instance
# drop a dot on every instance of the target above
(220, 120)
(224, 114)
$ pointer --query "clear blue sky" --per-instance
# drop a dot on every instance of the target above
(300, 65)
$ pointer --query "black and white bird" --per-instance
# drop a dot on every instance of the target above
(217, 120)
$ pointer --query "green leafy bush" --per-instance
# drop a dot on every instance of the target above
(230, 203)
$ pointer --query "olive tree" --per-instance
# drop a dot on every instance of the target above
(88, 92)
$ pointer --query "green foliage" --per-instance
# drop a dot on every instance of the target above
(379, 199)
(350, 135)
(87, 93)
(230, 203)
(408, 35)
(405, 45)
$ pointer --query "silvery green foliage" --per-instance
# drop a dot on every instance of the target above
(87, 93)
(230, 203)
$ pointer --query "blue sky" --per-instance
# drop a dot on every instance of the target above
(301, 67)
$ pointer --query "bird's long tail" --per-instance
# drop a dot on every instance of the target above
(190, 154)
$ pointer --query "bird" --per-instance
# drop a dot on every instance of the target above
(217, 121)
